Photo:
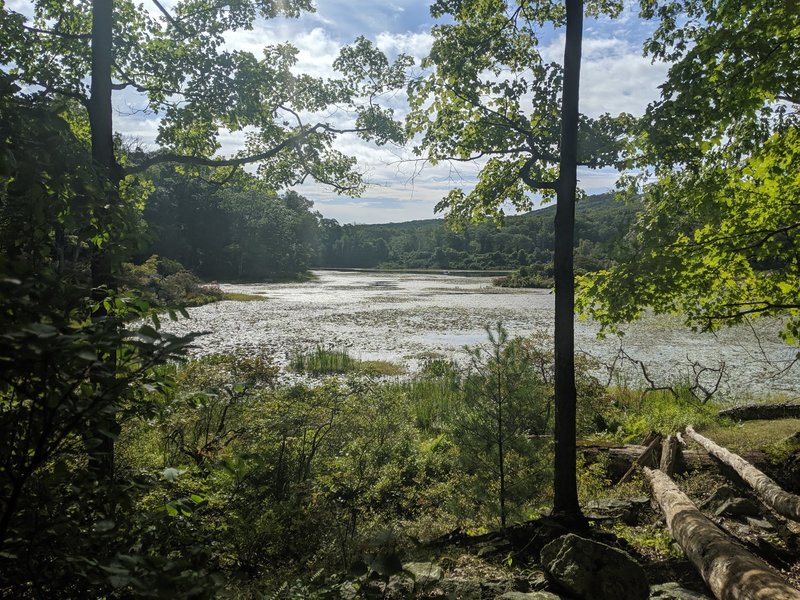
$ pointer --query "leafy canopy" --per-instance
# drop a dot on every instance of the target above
(490, 96)
(717, 240)
(179, 66)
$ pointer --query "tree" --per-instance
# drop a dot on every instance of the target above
(499, 423)
(181, 68)
(198, 89)
(717, 240)
(486, 70)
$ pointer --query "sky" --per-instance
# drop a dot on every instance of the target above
(615, 77)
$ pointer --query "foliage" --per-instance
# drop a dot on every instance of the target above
(75, 370)
(524, 277)
(491, 95)
(631, 414)
(717, 239)
(502, 422)
(524, 241)
(239, 231)
(165, 283)
(182, 55)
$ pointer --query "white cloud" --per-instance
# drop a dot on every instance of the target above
(615, 77)
(417, 45)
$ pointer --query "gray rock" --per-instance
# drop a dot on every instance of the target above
(528, 596)
(616, 509)
(719, 497)
(737, 507)
(460, 589)
(674, 591)
(593, 570)
(760, 523)
(399, 586)
(494, 589)
(425, 574)
(493, 547)
(348, 591)
(537, 580)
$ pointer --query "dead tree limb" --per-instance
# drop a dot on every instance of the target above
(647, 457)
(752, 412)
(619, 457)
(770, 493)
(670, 452)
(730, 571)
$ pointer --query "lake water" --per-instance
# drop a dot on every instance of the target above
(407, 317)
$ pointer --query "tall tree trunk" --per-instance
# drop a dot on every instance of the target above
(101, 458)
(565, 486)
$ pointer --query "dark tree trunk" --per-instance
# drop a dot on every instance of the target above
(753, 412)
(101, 458)
(565, 502)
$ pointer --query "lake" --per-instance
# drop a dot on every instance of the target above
(406, 317)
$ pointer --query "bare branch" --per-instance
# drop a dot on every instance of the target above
(170, 18)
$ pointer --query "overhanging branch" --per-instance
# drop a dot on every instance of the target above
(525, 174)
(202, 161)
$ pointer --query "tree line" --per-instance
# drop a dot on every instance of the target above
(524, 240)
(242, 231)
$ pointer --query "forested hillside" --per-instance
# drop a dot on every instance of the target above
(243, 231)
(525, 240)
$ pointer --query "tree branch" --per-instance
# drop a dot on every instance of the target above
(56, 33)
(170, 18)
(525, 174)
(202, 161)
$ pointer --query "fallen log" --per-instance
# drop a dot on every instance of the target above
(753, 412)
(770, 493)
(670, 451)
(620, 456)
(648, 457)
(730, 571)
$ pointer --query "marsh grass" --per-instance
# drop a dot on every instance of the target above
(379, 368)
(332, 361)
(322, 361)
(635, 414)
(773, 436)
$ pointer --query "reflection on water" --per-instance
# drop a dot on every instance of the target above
(406, 317)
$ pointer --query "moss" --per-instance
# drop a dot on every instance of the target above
(379, 368)
(239, 297)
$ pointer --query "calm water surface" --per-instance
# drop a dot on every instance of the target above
(406, 317)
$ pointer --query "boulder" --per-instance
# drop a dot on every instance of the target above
(460, 589)
(400, 586)
(425, 574)
(616, 509)
(717, 498)
(738, 507)
(537, 580)
(674, 591)
(591, 570)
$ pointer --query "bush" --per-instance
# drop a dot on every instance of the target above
(165, 283)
